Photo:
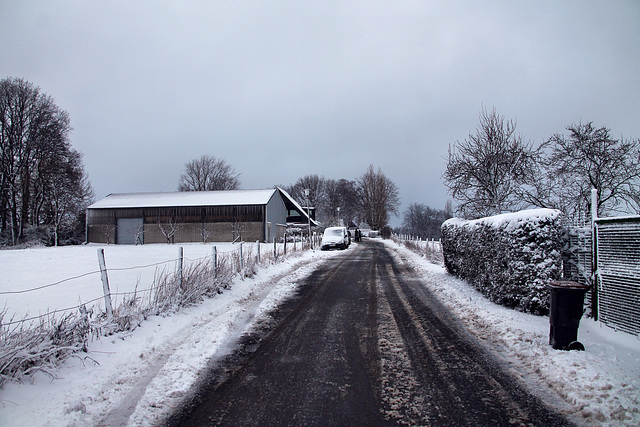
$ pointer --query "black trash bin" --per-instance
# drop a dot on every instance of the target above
(567, 299)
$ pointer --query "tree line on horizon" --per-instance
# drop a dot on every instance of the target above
(371, 198)
(495, 171)
(44, 189)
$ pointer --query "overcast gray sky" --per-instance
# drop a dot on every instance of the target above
(282, 89)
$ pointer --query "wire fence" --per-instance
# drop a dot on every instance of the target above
(427, 244)
(430, 249)
(42, 342)
(244, 255)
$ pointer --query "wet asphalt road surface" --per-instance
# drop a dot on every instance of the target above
(362, 344)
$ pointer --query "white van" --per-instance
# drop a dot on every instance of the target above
(335, 237)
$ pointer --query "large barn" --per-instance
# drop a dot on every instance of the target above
(193, 216)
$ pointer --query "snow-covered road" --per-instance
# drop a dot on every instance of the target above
(142, 375)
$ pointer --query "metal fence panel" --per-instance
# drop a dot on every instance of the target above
(618, 272)
(577, 255)
(577, 260)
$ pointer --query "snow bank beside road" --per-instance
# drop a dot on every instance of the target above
(600, 386)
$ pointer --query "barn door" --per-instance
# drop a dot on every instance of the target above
(130, 231)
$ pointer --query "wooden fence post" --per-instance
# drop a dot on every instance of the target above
(180, 257)
(105, 283)
(285, 244)
(215, 262)
(258, 244)
(241, 260)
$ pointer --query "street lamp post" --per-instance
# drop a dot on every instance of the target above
(306, 193)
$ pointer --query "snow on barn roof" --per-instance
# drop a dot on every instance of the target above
(184, 198)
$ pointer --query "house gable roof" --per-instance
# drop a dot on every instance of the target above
(292, 204)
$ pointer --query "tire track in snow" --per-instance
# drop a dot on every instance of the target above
(166, 380)
(464, 384)
(403, 400)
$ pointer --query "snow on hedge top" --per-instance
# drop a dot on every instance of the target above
(185, 198)
(507, 220)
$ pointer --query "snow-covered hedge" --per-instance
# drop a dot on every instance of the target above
(510, 258)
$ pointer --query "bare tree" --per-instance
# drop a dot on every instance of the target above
(208, 174)
(237, 229)
(170, 227)
(139, 232)
(378, 198)
(333, 200)
(448, 209)
(317, 191)
(589, 158)
(205, 233)
(340, 194)
(485, 172)
(69, 194)
(42, 180)
(423, 221)
(108, 231)
(241, 222)
(348, 191)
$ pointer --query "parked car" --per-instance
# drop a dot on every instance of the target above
(335, 237)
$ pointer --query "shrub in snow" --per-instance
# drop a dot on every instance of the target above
(510, 258)
(41, 346)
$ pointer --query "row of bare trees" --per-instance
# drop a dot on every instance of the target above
(370, 198)
(327, 196)
(43, 185)
(495, 170)
(420, 220)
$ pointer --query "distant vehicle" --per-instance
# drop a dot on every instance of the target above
(335, 237)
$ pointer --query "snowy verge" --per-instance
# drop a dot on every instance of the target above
(599, 386)
(138, 377)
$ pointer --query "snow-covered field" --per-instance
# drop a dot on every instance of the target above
(70, 275)
(136, 378)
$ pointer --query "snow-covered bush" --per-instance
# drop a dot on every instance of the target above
(510, 258)
(40, 346)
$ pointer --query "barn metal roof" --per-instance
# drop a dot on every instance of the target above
(198, 198)
(184, 198)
